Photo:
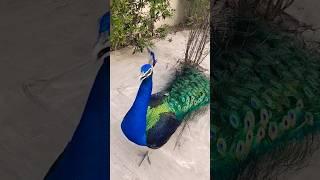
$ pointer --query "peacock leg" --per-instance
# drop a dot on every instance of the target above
(184, 126)
(145, 156)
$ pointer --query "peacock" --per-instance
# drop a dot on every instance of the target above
(265, 106)
(153, 118)
(86, 156)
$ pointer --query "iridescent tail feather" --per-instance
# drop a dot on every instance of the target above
(265, 114)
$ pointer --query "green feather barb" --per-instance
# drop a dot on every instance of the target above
(265, 105)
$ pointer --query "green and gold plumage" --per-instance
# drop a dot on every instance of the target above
(265, 100)
(188, 92)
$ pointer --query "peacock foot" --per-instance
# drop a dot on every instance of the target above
(145, 156)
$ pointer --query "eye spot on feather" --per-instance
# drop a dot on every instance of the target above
(221, 146)
(264, 117)
(234, 120)
(253, 103)
(309, 118)
(292, 118)
(249, 120)
(260, 134)
(273, 130)
(213, 133)
(249, 137)
(300, 104)
(291, 115)
(285, 122)
(240, 150)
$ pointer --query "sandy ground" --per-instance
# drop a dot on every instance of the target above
(40, 38)
(190, 160)
(307, 11)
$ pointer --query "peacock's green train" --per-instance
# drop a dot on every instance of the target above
(166, 111)
(265, 110)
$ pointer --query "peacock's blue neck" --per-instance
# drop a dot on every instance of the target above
(86, 155)
(134, 123)
(144, 94)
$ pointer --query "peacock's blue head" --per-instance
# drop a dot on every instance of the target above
(146, 71)
(105, 23)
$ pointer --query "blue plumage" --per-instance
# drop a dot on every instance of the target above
(102, 46)
(134, 123)
(86, 157)
(105, 23)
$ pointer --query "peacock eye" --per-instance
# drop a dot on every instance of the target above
(300, 104)
(264, 117)
(249, 120)
(221, 146)
(234, 120)
(253, 103)
(291, 115)
(261, 134)
(249, 137)
(285, 122)
(292, 118)
(212, 135)
(240, 149)
(273, 130)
